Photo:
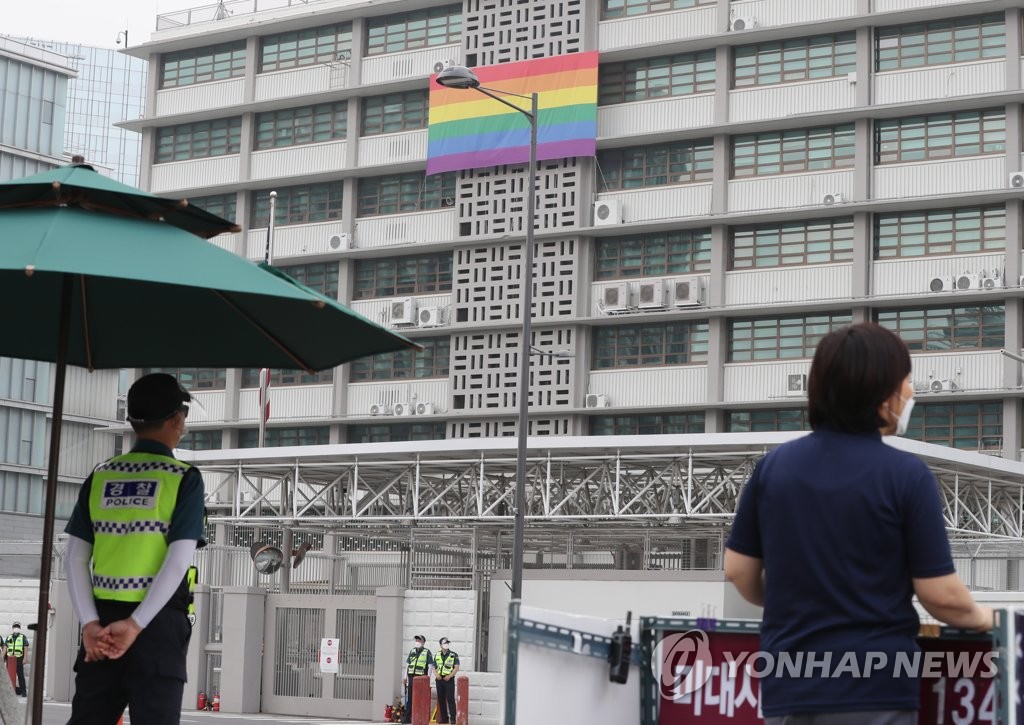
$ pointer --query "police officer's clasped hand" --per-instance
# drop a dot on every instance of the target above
(120, 636)
(94, 642)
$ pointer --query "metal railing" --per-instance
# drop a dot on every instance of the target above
(224, 10)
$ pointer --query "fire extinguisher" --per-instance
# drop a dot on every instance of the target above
(387, 713)
(201, 702)
(216, 702)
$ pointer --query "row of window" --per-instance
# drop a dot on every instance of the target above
(971, 426)
(924, 329)
(898, 140)
(927, 329)
(966, 230)
(292, 127)
(311, 46)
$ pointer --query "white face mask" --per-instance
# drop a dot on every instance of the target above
(903, 422)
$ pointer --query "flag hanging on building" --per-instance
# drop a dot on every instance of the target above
(468, 130)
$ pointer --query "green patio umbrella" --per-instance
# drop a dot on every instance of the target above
(102, 278)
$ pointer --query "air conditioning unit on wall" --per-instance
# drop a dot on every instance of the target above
(424, 408)
(404, 409)
(746, 22)
(338, 241)
(830, 199)
(993, 282)
(615, 298)
(943, 386)
(968, 281)
(377, 409)
(687, 292)
(945, 283)
(403, 311)
(1016, 180)
(607, 213)
(651, 295)
(597, 400)
(430, 317)
(796, 384)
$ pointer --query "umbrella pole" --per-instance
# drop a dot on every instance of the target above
(50, 502)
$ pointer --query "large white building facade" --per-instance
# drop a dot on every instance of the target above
(752, 189)
(766, 170)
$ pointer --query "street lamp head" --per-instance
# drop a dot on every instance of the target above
(458, 76)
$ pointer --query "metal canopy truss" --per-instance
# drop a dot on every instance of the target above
(695, 479)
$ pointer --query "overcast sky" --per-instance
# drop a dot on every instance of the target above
(92, 22)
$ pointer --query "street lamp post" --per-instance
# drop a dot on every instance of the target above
(460, 77)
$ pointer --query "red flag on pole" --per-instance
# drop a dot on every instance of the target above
(264, 403)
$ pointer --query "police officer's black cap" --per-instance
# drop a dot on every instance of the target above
(444, 640)
(420, 638)
(155, 397)
(16, 625)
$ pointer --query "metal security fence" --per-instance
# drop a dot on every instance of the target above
(357, 631)
(297, 634)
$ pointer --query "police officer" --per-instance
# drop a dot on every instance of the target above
(417, 664)
(446, 665)
(137, 524)
(15, 646)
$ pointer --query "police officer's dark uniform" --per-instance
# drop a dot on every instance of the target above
(15, 646)
(417, 664)
(132, 508)
(446, 665)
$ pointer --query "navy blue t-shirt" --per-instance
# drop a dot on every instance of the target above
(843, 523)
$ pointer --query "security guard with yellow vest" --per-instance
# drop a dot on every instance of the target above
(133, 534)
(15, 646)
(417, 664)
(446, 666)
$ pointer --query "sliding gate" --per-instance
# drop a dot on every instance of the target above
(292, 681)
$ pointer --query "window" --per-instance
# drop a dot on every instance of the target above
(322, 277)
(223, 205)
(792, 244)
(405, 364)
(194, 378)
(943, 231)
(671, 343)
(395, 112)
(624, 8)
(398, 193)
(760, 421)
(646, 255)
(298, 204)
(793, 151)
(680, 162)
(305, 47)
(781, 338)
(970, 426)
(653, 424)
(284, 378)
(202, 440)
(202, 65)
(947, 328)
(940, 136)
(671, 75)
(199, 140)
(396, 432)
(394, 276)
(798, 59)
(941, 41)
(416, 29)
(296, 126)
(308, 436)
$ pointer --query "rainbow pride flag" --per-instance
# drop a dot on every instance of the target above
(468, 130)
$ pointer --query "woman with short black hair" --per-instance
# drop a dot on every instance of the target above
(834, 534)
